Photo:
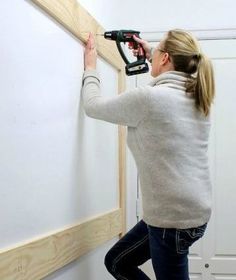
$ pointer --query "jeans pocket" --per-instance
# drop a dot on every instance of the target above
(186, 237)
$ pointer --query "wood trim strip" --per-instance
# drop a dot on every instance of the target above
(42, 256)
(79, 22)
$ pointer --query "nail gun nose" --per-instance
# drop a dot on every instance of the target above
(111, 35)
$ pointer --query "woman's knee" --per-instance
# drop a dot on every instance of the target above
(113, 264)
(108, 261)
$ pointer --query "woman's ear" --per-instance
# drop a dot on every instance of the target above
(165, 59)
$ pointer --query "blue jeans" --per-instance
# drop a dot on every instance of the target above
(168, 249)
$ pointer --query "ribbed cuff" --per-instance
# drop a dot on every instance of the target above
(91, 73)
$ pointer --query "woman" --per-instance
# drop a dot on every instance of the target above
(168, 128)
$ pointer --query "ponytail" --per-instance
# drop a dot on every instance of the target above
(205, 86)
(202, 86)
(185, 52)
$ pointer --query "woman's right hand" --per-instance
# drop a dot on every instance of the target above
(145, 46)
(90, 54)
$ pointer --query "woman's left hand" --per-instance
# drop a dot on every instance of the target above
(90, 54)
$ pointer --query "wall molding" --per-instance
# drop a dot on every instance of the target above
(76, 19)
(37, 258)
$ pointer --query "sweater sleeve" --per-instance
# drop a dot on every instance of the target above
(128, 108)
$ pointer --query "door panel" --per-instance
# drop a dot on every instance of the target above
(219, 248)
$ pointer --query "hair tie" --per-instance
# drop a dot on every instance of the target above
(197, 56)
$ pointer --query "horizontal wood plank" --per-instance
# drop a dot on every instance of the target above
(79, 22)
(37, 258)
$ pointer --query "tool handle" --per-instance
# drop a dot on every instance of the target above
(135, 45)
(132, 68)
(121, 52)
(141, 52)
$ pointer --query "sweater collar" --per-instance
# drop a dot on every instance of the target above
(172, 79)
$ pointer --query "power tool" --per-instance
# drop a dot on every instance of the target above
(132, 68)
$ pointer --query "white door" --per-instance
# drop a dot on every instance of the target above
(214, 256)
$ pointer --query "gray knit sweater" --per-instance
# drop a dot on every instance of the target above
(168, 138)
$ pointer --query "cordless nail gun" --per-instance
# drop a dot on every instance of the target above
(132, 68)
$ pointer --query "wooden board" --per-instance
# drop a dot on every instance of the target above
(38, 258)
(79, 22)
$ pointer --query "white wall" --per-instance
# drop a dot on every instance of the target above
(153, 15)
(49, 149)
(96, 9)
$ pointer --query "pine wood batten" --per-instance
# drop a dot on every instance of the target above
(40, 257)
(79, 22)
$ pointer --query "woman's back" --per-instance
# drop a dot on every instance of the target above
(170, 148)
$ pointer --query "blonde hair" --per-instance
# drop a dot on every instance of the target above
(187, 57)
